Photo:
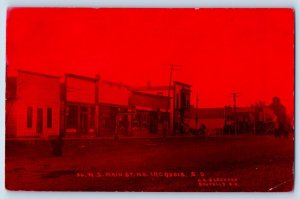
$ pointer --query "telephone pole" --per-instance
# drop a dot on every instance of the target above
(234, 97)
(172, 68)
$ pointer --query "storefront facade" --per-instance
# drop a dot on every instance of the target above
(80, 106)
(151, 117)
(113, 108)
(181, 99)
(112, 121)
(32, 105)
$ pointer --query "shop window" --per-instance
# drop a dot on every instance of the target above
(72, 117)
(92, 120)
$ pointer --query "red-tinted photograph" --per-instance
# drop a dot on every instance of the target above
(152, 100)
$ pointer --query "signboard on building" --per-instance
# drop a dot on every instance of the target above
(80, 89)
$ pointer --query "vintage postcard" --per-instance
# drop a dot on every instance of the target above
(154, 100)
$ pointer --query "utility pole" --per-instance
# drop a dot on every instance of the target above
(197, 100)
(172, 68)
(234, 96)
(65, 105)
(97, 108)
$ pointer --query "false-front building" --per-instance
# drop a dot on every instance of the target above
(39, 105)
(32, 105)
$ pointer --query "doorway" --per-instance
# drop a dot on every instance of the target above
(83, 121)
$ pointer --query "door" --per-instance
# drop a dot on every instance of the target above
(39, 122)
(153, 122)
(83, 123)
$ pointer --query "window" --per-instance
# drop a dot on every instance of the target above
(92, 119)
(29, 116)
(49, 117)
(182, 100)
(185, 100)
(188, 101)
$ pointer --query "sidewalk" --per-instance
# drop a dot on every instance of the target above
(136, 137)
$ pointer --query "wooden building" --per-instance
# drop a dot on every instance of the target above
(178, 104)
(32, 105)
(213, 119)
(41, 105)
(113, 109)
(150, 117)
(80, 106)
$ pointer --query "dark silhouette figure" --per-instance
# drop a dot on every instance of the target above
(202, 129)
(57, 146)
(280, 113)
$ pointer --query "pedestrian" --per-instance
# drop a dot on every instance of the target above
(57, 146)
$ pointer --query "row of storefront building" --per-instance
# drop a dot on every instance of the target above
(41, 105)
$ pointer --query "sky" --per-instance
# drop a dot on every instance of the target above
(218, 51)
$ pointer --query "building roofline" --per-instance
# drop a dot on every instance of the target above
(151, 95)
(162, 87)
(39, 74)
(146, 88)
(81, 77)
(183, 84)
(116, 83)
